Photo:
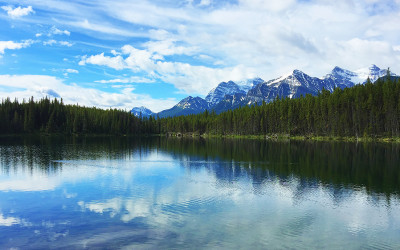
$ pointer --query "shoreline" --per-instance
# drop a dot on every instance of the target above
(280, 137)
(269, 137)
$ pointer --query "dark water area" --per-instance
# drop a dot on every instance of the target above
(124, 193)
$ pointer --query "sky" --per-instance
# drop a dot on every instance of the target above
(123, 54)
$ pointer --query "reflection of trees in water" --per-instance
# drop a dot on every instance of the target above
(335, 165)
(40, 151)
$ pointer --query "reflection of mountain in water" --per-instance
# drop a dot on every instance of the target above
(302, 166)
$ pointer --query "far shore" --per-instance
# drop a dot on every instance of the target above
(275, 137)
(268, 137)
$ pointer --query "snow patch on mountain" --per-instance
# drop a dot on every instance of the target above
(142, 111)
(195, 103)
(279, 79)
(224, 88)
(230, 102)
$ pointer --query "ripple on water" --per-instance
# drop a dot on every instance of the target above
(296, 226)
(188, 206)
(376, 244)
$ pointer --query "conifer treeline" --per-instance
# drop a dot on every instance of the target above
(372, 109)
(53, 116)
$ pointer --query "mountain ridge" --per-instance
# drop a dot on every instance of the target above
(142, 111)
(187, 106)
(230, 95)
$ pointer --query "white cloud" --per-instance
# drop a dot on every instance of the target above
(52, 42)
(8, 221)
(168, 47)
(65, 43)
(18, 12)
(205, 2)
(113, 62)
(100, 27)
(266, 38)
(40, 86)
(356, 52)
(115, 53)
(240, 38)
(72, 71)
(147, 13)
(185, 77)
(138, 60)
(267, 5)
(55, 31)
(133, 79)
(118, 86)
(204, 57)
(14, 45)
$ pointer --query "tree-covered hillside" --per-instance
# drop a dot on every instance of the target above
(372, 109)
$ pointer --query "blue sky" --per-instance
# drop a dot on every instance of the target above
(122, 54)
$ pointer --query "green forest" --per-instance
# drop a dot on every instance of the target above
(372, 110)
(53, 116)
(368, 110)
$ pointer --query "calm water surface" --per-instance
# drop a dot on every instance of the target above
(168, 193)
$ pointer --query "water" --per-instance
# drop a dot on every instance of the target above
(162, 193)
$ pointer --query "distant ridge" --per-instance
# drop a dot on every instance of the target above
(187, 106)
(142, 111)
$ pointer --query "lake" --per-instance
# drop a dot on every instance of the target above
(158, 193)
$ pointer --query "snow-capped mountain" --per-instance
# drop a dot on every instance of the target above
(340, 78)
(231, 95)
(360, 76)
(373, 72)
(192, 103)
(224, 88)
(142, 111)
(292, 85)
(187, 106)
(297, 83)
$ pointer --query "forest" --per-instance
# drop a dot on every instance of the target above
(371, 109)
(53, 116)
(365, 110)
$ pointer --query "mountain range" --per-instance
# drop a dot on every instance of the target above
(231, 95)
